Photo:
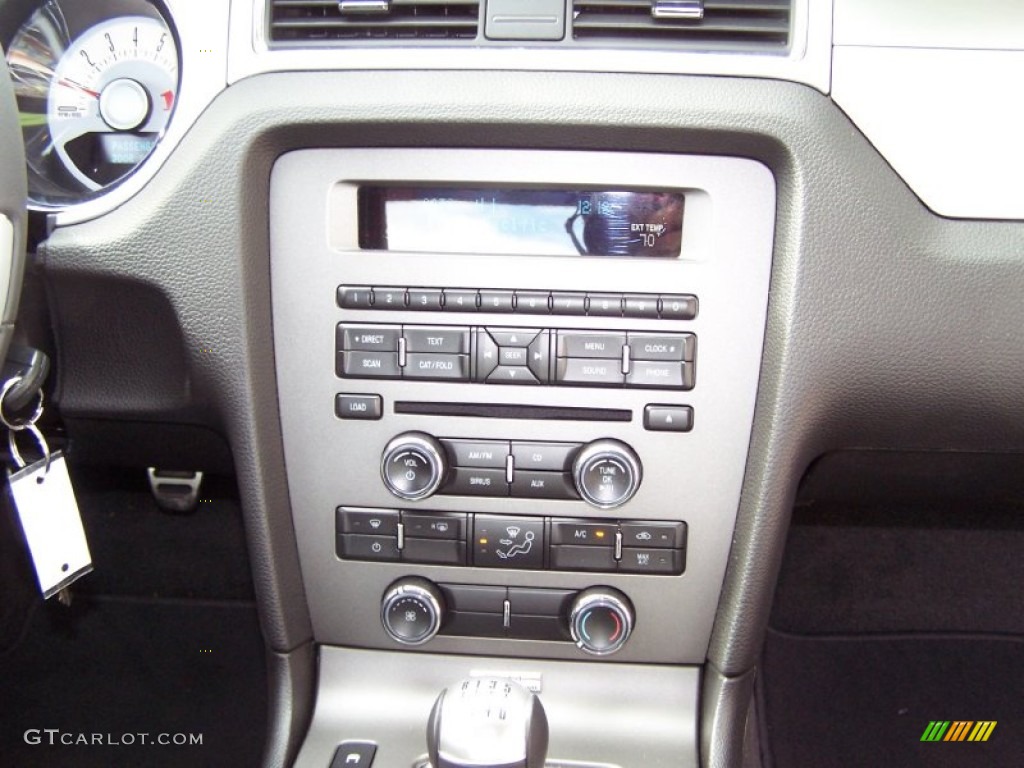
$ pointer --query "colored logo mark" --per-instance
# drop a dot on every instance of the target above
(958, 730)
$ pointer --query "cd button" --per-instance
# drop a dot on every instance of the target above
(545, 457)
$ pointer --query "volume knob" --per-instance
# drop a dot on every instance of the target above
(607, 473)
(413, 466)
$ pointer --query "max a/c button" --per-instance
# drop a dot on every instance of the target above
(358, 407)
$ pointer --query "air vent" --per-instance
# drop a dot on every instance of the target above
(755, 25)
(329, 21)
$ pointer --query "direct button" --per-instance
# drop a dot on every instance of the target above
(358, 407)
(437, 339)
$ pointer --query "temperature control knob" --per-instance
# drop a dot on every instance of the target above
(601, 620)
(413, 466)
(607, 473)
(411, 611)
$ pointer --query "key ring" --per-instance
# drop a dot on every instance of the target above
(30, 421)
(12, 443)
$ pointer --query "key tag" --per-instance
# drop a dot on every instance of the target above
(46, 507)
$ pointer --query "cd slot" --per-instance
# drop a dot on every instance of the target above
(512, 411)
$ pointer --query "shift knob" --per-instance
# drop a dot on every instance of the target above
(487, 722)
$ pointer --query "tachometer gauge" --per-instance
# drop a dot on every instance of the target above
(93, 102)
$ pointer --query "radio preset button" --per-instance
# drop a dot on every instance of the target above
(533, 302)
(675, 307)
(368, 365)
(388, 298)
(437, 339)
(355, 297)
(641, 306)
(368, 338)
(497, 301)
(460, 300)
(604, 304)
(568, 303)
(579, 344)
(421, 365)
(424, 299)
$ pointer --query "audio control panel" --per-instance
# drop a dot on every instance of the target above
(535, 447)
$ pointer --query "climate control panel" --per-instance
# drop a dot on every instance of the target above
(599, 620)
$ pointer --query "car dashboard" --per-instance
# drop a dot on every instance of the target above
(523, 327)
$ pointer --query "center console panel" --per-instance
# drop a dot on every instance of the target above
(512, 428)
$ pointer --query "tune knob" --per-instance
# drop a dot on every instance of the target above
(601, 620)
(411, 611)
(607, 473)
(413, 466)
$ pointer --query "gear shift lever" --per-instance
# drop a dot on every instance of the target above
(487, 722)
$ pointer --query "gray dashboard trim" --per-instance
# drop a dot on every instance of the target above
(12, 206)
(888, 327)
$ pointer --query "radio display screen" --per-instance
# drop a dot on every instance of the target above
(521, 221)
